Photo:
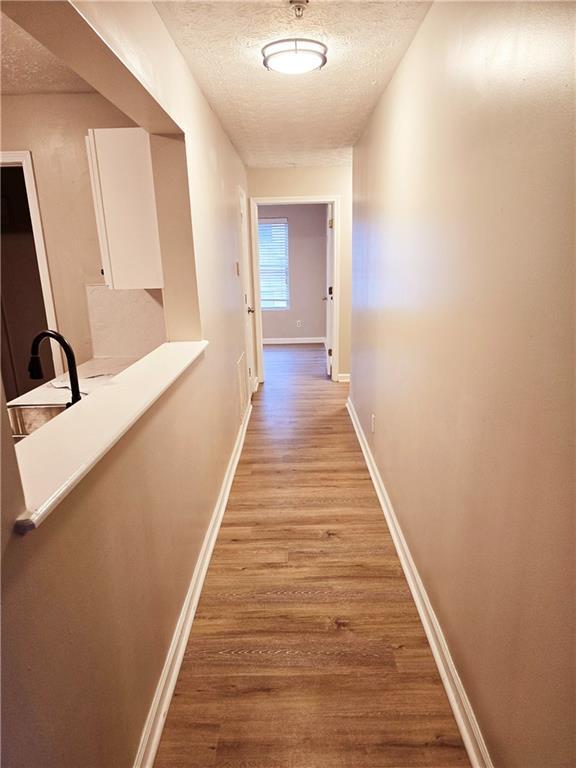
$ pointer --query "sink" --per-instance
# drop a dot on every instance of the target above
(25, 419)
(33, 409)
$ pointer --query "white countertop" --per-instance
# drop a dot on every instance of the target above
(55, 458)
(91, 375)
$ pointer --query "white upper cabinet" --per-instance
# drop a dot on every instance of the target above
(123, 189)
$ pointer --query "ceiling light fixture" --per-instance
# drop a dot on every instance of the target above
(295, 55)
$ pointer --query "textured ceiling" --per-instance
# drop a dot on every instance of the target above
(28, 67)
(278, 120)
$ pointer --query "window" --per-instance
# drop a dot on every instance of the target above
(274, 264)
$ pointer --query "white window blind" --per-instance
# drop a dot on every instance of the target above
(274, 264)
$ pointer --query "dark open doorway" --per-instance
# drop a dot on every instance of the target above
(22, 300)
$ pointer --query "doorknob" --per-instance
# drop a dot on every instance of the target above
(324, 298)
(250, 311)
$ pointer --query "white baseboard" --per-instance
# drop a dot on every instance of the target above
(463, 712)
(297, 340)
(161, 702)
(343, 377)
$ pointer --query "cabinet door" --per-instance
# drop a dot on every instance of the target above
(125, 205)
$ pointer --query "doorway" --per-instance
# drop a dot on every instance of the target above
(26, 297)
(295, 255)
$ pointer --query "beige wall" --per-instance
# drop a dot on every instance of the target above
(307, 256)
(293, 182)
(53, 127)
(91, 599)
(125, 323)
(463, 348)
(171, 190)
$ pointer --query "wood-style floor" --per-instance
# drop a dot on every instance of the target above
(306, 650)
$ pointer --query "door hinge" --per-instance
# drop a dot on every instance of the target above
(330, 352)
(330, 223)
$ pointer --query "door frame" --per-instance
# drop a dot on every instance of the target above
(247, 281)
(23, 158)
(335, 200)
(329, 298)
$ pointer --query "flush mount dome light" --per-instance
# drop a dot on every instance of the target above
(294, 56)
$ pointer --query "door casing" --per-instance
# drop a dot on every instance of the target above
(329, 297)
(23, 159)
(328, 199)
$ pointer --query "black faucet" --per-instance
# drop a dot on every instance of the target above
(35, 364)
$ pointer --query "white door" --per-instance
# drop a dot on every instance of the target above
(329, 295)
(247, 294)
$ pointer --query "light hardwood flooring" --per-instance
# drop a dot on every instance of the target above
(306, 650)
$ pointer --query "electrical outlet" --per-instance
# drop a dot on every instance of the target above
(298, 323)
(373, 423)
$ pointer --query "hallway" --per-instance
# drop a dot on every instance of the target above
(306, 650)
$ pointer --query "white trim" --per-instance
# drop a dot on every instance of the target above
(296, 340)
(154, 725)
(23, 158)
(343, 377)
(297, 200)
(84, 433)
(461, 706)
